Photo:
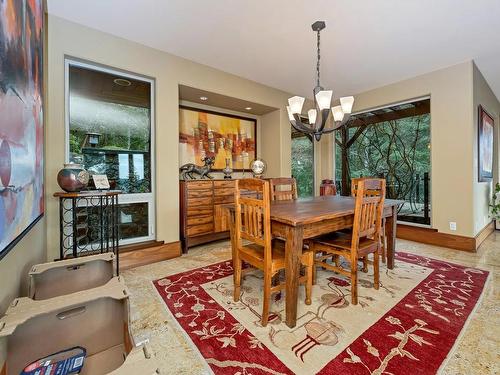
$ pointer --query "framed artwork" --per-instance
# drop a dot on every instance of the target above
(225, 137)
(21, 119)
(485, 145)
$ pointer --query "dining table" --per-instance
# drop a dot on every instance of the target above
(296, 221)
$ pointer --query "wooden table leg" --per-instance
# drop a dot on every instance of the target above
(390, 232)
(293, 251)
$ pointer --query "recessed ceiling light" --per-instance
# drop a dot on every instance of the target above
(248, 108)
(122, 82)
(204, 98)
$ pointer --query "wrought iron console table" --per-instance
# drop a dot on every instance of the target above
(88, 223)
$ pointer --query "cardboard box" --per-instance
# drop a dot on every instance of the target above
(54, 279)
(96, 319)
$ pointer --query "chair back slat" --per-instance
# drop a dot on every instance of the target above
(253, 212)
(283, 188)
(369, 206)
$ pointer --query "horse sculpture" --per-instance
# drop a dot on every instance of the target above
(190, 168)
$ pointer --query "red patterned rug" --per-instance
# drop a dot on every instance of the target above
(408, 326)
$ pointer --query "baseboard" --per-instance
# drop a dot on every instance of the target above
(140, 246)
(434, 237)
(484, 233)
(141, 257)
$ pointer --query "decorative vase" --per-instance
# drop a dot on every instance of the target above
(227, 171)
(73, 177)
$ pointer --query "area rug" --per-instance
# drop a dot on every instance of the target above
(407, 326)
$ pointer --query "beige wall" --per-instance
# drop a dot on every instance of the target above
(14, 268)
(482, 95)
(452, 129)
(69, 39)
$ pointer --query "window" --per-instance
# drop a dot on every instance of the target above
(393, 143)
(303, 163)
(109, 117)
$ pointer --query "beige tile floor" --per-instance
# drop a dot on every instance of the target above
(477, 350)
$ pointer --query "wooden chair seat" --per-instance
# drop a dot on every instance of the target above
(254, 254)
(344, 241)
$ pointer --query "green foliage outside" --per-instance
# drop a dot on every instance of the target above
(303, 165)
(397, 150)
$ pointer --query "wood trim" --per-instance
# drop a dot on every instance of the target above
(433, 237)
(140, 246)
(484, 233)
(3, 370)
(132, 259)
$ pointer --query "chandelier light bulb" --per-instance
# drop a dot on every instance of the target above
(324, 99)
(312, 116)
(338, 114)
(296, 103)
(346, 103)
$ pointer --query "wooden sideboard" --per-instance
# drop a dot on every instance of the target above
(202, 217)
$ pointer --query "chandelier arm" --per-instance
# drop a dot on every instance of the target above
(300, 126)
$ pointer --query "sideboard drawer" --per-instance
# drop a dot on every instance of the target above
(200, 193)
(223, 199)
(224, 191)
(200, 210)
(200, 229)
(199, 219)
(224, 184)
(197, 185)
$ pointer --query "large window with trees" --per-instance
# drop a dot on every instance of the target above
(109, 116)
(303, 163)
(393, 143)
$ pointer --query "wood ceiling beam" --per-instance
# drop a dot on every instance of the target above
(420, 108)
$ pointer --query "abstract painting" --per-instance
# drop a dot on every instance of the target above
(225, 137)
(21, 119)
(485, 145)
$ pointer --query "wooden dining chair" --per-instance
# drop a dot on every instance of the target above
(364, 238)
(253, 225)
(354, 189)
(283, 188)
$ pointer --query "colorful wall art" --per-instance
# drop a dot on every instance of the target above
(205, 133)
(485, 145)
(21, 119)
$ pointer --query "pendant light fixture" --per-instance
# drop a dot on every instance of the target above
(322, 99)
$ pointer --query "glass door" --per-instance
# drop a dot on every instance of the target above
(303, 163)
(109, 117)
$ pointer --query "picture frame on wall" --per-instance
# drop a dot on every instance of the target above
(485, 145)
(21, 125)
(227, 138)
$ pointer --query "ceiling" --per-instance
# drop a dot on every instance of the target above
(222, 101)
(366, 44)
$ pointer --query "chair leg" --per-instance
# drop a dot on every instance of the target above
(336, 260)
(376, 270)
(313, 268)
(309, 281)
(237, 279)
(267, 298)
(384, 241)
(365, 264)
(354, 281)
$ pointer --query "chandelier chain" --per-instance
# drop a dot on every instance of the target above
(319, 56)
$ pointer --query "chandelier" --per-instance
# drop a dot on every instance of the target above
(322, 101)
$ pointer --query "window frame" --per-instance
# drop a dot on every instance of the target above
(149, 198)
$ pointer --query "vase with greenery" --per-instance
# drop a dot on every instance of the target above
(495, 206)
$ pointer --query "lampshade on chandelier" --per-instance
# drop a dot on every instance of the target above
(322, 100)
